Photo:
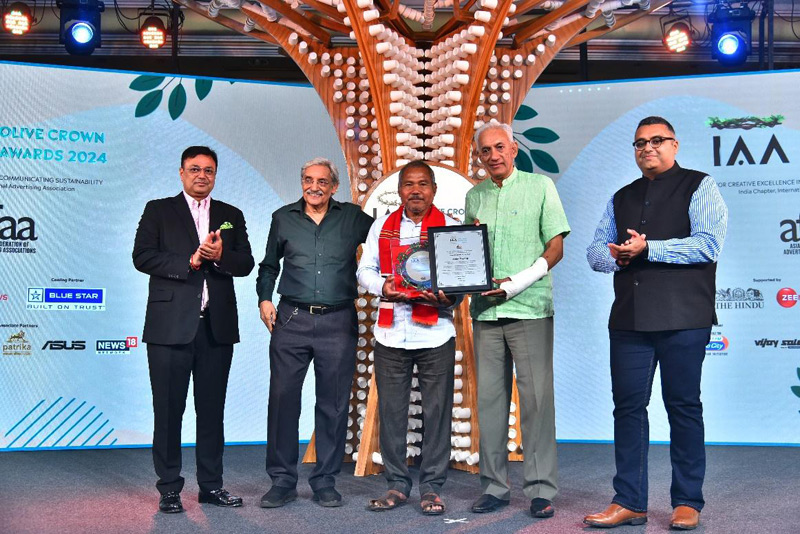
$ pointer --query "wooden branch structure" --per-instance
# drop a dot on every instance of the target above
(399, 94)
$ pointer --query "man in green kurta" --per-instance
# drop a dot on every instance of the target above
(513, 324)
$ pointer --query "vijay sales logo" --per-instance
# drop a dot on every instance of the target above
(717, 343)
(775, 343)
(116, 346)
(787, 297)
(66, 299)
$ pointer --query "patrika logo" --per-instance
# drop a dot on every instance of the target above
(796, 389)
(745, 123)
(527, 158)
(17, 345)
(177, 97)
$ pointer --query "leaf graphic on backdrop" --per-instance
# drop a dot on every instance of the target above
(148, 103)
(202, 88)
(524, 113)
(540, 135)
(544, 161)
(796, 390)
(177, 101)
(523, 162)
(146, 82)
(798, 372)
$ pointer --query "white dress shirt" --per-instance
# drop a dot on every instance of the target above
(201, 213)
(404, 332)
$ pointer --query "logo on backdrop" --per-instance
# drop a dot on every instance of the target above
(717, 344)
(17, 235)
(737, 298)
(116, 346)
(790, 234)
(66, 299)
(64, 345)
(17, 345)
(787, 297)
(3, 297)
(766, 343)
(740, 152)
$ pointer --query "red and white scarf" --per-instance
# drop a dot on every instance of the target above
(390, 236)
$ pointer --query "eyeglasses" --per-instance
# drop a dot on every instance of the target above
(195, 171)
(322, 182)
(654, 142)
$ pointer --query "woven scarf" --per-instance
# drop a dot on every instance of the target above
(389, 236)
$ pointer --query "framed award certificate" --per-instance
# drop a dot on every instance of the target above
(459, 258)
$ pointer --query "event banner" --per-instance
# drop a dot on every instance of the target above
(742, 130)
(81, 153)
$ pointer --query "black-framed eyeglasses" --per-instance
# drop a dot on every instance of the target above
(195, 171)
(322, 182)
(655, 142)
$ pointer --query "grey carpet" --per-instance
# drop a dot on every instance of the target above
(749, 490)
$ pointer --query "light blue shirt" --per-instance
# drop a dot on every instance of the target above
(404, 333)
(708, 219)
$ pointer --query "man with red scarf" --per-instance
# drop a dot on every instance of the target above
(410, 332)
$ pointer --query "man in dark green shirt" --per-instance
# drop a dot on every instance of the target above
(317, 238)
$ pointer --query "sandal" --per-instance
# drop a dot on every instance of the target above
(431, 504)
(391, 500)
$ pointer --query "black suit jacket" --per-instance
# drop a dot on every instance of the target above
(165, 240)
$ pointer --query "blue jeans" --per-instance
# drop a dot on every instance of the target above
(634, 356)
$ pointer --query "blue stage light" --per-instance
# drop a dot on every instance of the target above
(82, 32)
(731, 33)
(729, 44)
(80, 25)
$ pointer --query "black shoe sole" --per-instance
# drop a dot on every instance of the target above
(327, 504)
(632, 522)
(291, 496)
(171, 510)
(489, 510)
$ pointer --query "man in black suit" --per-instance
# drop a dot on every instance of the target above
(192, 247)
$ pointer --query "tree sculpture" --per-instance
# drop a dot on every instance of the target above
(401, 84)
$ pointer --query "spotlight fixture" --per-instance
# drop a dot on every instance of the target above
(731, 33)
(677, 30)
(153, 32)
(17, 19)
(79, 31)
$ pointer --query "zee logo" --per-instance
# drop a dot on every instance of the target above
(787, 297)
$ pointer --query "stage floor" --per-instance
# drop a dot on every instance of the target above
(748, 490)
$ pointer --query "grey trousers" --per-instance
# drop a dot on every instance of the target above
(528, 345)
(393, 370)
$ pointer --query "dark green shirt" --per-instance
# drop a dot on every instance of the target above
(319, 260)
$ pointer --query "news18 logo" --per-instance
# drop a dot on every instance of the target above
(787, 297)
(116, 346)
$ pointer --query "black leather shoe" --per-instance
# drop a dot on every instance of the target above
(170, 503)
(277, 496)
(542, 508)
(219, 497)
(328, 497)
(487, 503)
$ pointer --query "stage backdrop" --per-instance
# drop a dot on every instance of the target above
(81, 152)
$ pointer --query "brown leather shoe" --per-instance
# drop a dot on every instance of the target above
(614, 516)
(684, 518)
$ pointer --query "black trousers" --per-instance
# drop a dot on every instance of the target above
(171, 366)
(435, 369)
(330, 341)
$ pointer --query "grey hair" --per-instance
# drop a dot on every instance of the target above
(325, 163)
(494, 125)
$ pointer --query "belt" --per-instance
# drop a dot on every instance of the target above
(317, 309)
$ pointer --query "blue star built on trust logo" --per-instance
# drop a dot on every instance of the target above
(66, 299)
